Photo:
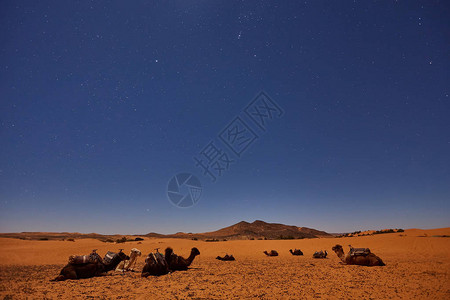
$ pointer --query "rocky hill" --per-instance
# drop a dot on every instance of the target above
(256, 230)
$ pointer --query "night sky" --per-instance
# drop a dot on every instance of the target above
(103, 102)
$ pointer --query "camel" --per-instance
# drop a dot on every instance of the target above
(226, 257)
(271, 253)
(320, 254)
(155, 264)
(91, 269)
(127, 265)
(178, 263)
(364, 258)
(296, 252)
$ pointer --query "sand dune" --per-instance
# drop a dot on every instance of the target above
(418, 266)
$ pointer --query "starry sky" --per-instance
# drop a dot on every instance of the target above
(103, 102)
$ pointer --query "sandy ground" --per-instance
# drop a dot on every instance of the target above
(418, 267)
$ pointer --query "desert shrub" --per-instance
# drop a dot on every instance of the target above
(70, 240)
(138, 239)
(400, 230)
(121, 240)
(43, 239)
(384, 231)
(289, 237)
(194, 239)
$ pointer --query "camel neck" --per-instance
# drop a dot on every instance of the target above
(341, 255)
(191, 257)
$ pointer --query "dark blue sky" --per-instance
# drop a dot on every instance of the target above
(103, 102)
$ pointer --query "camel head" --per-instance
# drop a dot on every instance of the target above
(168, 252)
(338, 248)
(195, 252)
(137, 251)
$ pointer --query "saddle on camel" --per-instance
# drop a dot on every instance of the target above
(84, 259)
(359, 251)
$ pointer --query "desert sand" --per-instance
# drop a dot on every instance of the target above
(417, 267)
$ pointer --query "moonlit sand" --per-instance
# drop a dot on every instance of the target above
(417, 266)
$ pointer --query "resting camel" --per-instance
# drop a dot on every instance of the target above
(128, 265)
(271, 253)
(178, 263)
(155, 264)
(296, 252)
(88, 270)
(226, 257)
(364, 259)
(320, 254)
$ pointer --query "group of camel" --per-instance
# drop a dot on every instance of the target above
(356, 256)
(158, 264)
(92, 265)
(275, 253)
(297, 252)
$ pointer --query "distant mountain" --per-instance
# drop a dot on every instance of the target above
(256, 230)
(240, 231)
(58, 236)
